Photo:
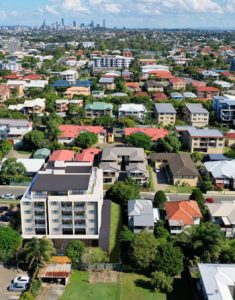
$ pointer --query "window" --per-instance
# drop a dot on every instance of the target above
(55, 220)
(55, 212)
(54, 203)
(27, 212)
(28, 229)
(91, 211)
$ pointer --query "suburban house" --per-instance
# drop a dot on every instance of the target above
(87, 155)
(204, 140)
(223, 214)
(13, 130)
(107, 83)
(182, 214)
(159, 97)
(77, 91)
(132, 110)
(18, 86)
(224, 107)
(142, 215)
(222, 173)
(153, 133)
(30, 107)
(43, 153)
(62, 105)
(154, 86)
(176, 96)
(177, 83)
(165, 113)
(63, 202)
(5, 93)
(98, 109)
(207, 92)
(230, 138)
(68, 133)
(217, 281)
(178, 167)
(196, 115)
(133, 86)
(69, 75)
(124, 162)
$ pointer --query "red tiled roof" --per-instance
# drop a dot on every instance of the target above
(32, 77)
(12, 76)
(141, 94)
(207, 89)
(132, 84)
(176, 79)
(159, 96)
(62, 155)
(161, 74)
(198, 83)
(87, 155)
(154, 133)
(230, 135)
(72, 131)
(184, 211)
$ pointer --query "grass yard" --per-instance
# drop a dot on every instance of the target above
(130, 286)
(115, 228)
(8, 202)
(179, 189)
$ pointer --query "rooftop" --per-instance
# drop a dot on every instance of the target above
(196, 108)
(165, 108)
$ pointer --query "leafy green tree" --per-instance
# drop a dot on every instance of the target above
(93, 255)
(120, 84)
(122, 191)
(197, 195)
(161, 232)
(105, 121)
(75, 250)
(39, 251)
(169, 259)
(144, 250)
(126, 238)
(159, 199)
(197, 156)
(227, 254)
(52, 130)
(12, 170)
(10, 241)
(170, 143)
(86, 139)
(127, 122)
(140, 140)
(27, 296)
(161, 282)
(34, 140)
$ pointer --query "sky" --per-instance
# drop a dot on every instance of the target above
(122, 13)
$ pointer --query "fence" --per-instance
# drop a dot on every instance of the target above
(102, 266)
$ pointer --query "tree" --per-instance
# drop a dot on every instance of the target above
(86, 139)
(227, 254)
(140, 140)
(161, 232)
(34, 140)
(94, 256)
(169, 259)
(10, 241)
(197, 195)
(12, 170)
(39, 251)
(122, 191)
(52, 130)
(105, 121)
(127, 122)
(144, 250)
(170, 143)
(27, 296)
(161, 282)
(126, 238)
(159, 199)
(75, 250)
(197, 156)
(5, 146)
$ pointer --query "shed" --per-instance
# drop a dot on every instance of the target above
(58, 273)
(42, 153)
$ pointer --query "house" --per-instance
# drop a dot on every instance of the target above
(230, 139)
(205, 140)
(43, 153)
(208, 73)
(87, 155)
(165, 113)
(182, 214)
(223, 214)
(189, 95)
(179, 167)
(133, 86)
(98, 109)
(18, 86)
(224, 107)
(153, 133)
(62, 155)
(224, 84)
(176, 96)
(141, 215)
(107, 83)
(68, 133)
(62, 105)
(5, 93)
(119, 163)
(77, 91)
(37, 84)
(177, 83)
(132, 110)
(69, 75)
(55, 272)
(61, 84)
(30, 107)
(217, 281)
(159, 97)
(196, 115)
(222, 173)
(64, 202)
(13, 130)
(207, 92)
(153, 86)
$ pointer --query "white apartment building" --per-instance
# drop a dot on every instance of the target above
(69, 75)
(132, 110)
(11, 66)
(196, 115)
(111, 61)
(64, 202)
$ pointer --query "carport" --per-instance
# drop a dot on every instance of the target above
(55, 273)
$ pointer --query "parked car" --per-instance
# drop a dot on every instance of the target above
(210, 200)
(18, 287)
(8, 196)
(157, 170)
(21, 279)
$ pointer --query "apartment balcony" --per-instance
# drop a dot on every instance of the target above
(40, 225)
(67, 217)
(39, 217)
(80, 225)
(39, 208)
(67, 225)
(79, 208)
(80, 217)
(68, 208)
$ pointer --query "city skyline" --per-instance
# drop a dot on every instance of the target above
(134, 14)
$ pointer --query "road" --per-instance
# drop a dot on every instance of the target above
(15, 190)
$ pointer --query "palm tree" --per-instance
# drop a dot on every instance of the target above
(39, 251)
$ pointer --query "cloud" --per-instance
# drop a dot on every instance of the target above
(230, 6)
(112, 8)
(51, 10)
(75, 6)
(3, 15)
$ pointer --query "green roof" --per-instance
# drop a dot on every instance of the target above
(99, 106)
(43, 152)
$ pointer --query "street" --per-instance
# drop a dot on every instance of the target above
(15, 190)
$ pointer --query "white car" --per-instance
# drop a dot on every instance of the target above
(157, 170)
(22, 279)
(8, 196)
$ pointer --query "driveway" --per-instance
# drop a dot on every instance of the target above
(161, 180)
(5, 280)
(51, 292)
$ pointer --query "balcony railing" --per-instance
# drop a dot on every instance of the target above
(80, 225)
(40, 226)
(67, 208)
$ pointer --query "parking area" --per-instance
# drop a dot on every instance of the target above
(161, 180)
(6, 275)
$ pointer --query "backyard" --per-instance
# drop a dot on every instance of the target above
(129, 286)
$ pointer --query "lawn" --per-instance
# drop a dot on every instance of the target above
(115, 228)
(8, 202)
(130, 286)
(179, 189)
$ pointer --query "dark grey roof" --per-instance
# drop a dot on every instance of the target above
(78, 169)
(196, 108)
(60, 183)
(165, 108)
